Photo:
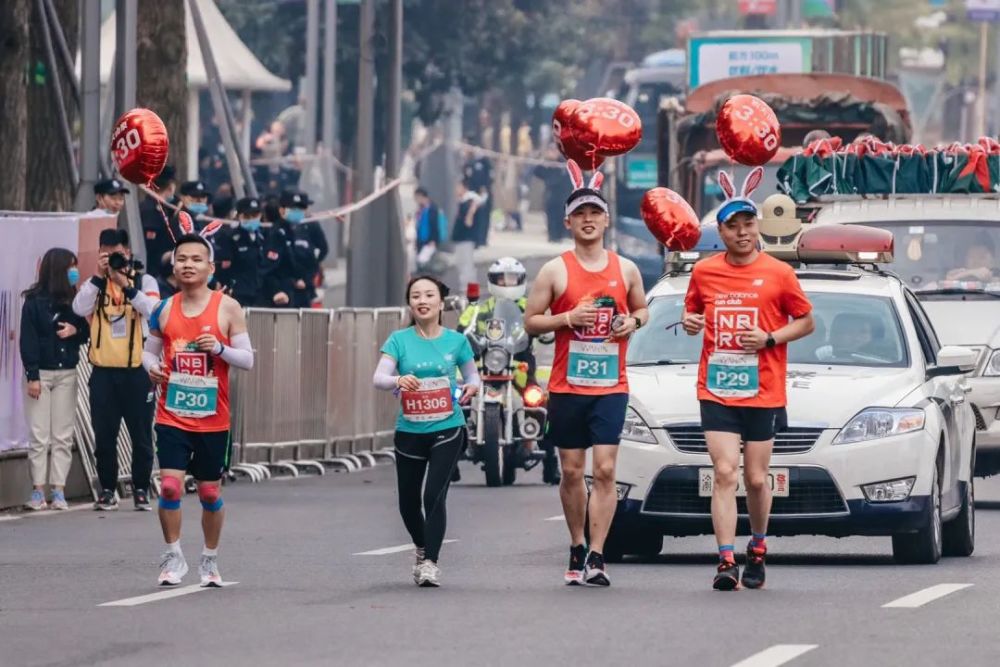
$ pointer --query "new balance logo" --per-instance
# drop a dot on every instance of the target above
(758, 282)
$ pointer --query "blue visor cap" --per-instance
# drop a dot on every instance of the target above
(731, 208)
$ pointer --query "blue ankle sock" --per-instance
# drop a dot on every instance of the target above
(726, 553)
(758, 540)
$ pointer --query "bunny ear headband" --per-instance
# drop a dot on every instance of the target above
(584, 194)
(743, 203)
(186, 225)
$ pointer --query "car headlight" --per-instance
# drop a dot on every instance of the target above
(636, 429)
(873, 423)
(495, 360)
(992, 368)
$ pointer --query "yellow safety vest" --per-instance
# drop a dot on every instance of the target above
(115, 331)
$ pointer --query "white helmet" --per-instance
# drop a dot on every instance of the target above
(507, 279)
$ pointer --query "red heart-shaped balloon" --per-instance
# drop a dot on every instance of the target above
(139, 146)
(606, 126)
(670, 219)
(748, 130)
(562, 134)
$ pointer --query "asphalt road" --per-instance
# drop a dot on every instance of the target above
(307, 594)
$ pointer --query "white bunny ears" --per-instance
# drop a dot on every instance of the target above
(742, 203)
(576, 176)
(186, 225)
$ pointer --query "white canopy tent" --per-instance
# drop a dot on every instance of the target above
(238, 67)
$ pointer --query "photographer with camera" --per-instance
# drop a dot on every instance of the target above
(119, 301)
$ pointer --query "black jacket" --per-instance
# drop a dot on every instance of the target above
(41, 349)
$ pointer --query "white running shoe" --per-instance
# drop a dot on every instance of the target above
(429, 574)
(173, 567)
(418, 560)
(208, 570)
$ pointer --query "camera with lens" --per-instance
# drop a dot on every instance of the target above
(117, 261)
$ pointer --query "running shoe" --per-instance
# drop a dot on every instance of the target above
(173, 567)
(577, 565)
(597, 572)
(37, 502)
(208, 570)
(59, 501)
(429, 575)
(106, 502)
(418, 560)
(753, 572)
(727, 578)
(141, 500)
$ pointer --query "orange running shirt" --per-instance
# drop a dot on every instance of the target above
(196, 398)
(584, 363)
(765, 294)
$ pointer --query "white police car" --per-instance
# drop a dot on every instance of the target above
(880, 437)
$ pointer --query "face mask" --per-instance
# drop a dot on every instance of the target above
(198, 209)
(74, 276)
(295, 215)
(252, 225)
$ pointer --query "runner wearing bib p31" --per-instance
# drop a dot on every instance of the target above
(750, 306)
(595, 301)
(418, 364)
(200, 333)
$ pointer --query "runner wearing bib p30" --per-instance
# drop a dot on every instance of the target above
(750, 306)
(200, 333)
(418, 364)
(595, 301)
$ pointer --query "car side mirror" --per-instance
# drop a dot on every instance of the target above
(953, 360)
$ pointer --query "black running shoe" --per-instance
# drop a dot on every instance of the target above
(106, 502)
(577, 564)
(727, 578)
(141, 500)
(753, 573)
(597, 571)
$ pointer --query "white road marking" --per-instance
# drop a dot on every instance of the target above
(161, 595)
(778, 654)
(922, 597)
(557, 517)
(393, 550)
(26, 514)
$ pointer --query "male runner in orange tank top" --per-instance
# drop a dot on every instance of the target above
(595, 301)
(200, 333)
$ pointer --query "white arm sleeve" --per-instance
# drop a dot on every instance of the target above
(86, 299)
(151, 352)
(147, 297)
(385, 374)
(470, 374)
(239, 352)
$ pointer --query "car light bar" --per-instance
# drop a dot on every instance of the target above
(848, 243)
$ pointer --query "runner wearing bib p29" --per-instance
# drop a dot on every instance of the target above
(200, 334)
(749, 306)
(595, 301)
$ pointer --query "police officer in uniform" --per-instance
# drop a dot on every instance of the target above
(279, 270)
(155, 217)
(109, 196)
(308, 246)
(244, 246)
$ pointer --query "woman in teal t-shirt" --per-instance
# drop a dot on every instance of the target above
(418, 364)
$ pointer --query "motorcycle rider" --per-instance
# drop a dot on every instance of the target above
(507, 279)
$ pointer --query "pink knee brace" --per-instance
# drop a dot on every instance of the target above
(211, 497)
(170, 493)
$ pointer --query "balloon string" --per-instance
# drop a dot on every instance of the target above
(166, 221)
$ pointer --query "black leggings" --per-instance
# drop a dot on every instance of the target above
(437, 455)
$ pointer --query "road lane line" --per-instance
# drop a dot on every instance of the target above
(778, 654)
(393, 550)
(161, 595)
(922, 597)
(557, 517)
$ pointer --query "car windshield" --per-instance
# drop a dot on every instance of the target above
(947, 259)
(851, 330)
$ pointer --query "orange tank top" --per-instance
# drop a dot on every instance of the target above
(196, 398)
(584, 363)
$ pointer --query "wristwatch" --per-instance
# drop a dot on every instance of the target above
(770, 340)
(638, 322)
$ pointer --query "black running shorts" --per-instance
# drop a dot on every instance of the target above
(752, 424)
(204, 455)
(578, 421)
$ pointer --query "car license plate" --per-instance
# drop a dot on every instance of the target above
(777, 477)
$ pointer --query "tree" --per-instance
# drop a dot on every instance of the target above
(161, 60)
(13, 101)
(48, 179)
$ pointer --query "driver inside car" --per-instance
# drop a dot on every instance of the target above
(979, 264)
(850, 336)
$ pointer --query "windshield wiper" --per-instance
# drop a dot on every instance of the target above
(662, 362)
(944, 291)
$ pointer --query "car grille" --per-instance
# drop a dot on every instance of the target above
(810, 491)
(793, 440)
